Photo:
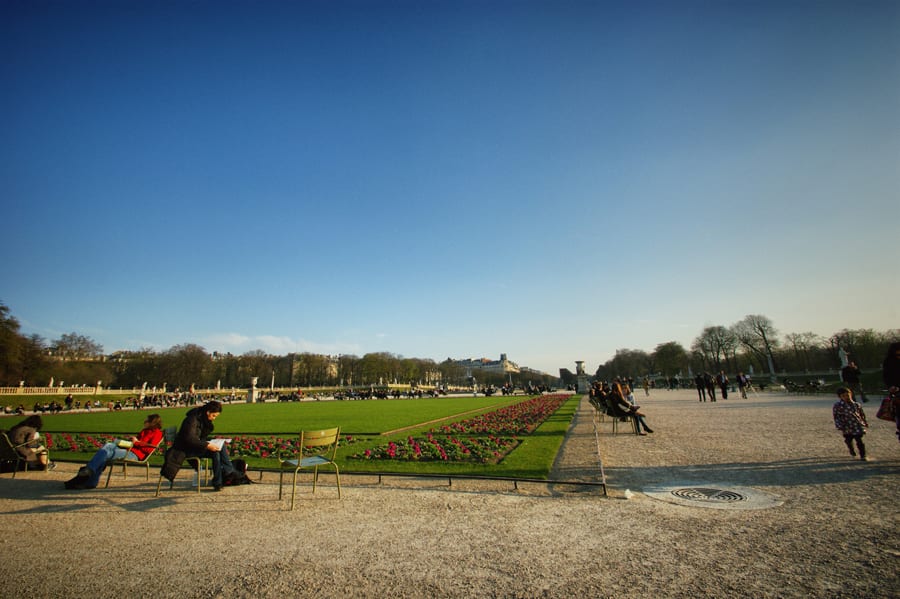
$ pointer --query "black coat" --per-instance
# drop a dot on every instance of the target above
(193, 436)
(190, 440)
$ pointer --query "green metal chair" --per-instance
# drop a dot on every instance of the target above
(326, 441)
(9, 452)
(125, 462)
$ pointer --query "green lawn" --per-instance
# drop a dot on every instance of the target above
(354, 417)
(366, 421)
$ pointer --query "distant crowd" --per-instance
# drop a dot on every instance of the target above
(158, 400)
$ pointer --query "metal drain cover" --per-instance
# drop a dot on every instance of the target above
(704, 494)
(717, 496)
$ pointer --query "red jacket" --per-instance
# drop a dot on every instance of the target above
(148, 438)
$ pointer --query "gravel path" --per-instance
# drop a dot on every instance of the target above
(834, 534)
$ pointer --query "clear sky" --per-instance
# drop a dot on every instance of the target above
(551, 180)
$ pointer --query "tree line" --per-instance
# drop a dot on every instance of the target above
(77, 359)
(752, 343)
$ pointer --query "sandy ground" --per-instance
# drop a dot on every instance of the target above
(835, 533)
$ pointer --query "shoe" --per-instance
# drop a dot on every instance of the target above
(217, 488)
(864, 459)
(51, 466)
(648, 430)
(642, 433)
(77, 483)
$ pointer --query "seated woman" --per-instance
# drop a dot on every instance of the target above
(26, 437)
(149, 437)
(193, 441)
(620, 407)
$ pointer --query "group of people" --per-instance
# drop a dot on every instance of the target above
(706, 385)
(614, 400)
(192, 440)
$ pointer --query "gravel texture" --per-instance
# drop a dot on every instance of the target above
(834, 534)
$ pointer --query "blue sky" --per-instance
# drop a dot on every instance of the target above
(550, 180)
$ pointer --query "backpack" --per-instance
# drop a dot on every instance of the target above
(239, 476)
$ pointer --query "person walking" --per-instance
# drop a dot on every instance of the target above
(850, 419)
(701, 386)
(710, 385)
(850, 375)
(722, 381)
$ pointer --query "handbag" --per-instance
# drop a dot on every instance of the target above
(123, 444)
(886, 410)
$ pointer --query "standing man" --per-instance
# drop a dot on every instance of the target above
(850, 375)
(722, 381)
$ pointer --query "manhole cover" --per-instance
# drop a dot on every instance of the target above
(718, 496)
(706, 494)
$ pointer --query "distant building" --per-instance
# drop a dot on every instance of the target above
(501, 366)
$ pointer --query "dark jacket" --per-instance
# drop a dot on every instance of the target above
(193, 436)
(850, 375)
(191, 440)
(890, 369)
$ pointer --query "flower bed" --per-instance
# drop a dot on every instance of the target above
(518, 419)
(77, 442)
(272, 447)
(240, 446)
(487, 438)
(444, 448)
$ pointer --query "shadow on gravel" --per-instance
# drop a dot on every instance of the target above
(785, 473)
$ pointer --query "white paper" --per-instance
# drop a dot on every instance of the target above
(219, 443)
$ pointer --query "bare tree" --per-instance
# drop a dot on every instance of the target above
(716, 344)
(73, 346)
(803, 345)
(759, 336)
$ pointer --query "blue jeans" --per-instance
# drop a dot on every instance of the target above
(221, 463)
(98, 463)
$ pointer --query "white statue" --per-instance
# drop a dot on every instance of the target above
(843, 356)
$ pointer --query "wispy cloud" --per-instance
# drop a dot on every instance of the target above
(273, 344)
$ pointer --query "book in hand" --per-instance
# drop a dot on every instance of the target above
(124, 444)
(219, 443)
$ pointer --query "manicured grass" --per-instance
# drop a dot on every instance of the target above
(364, 420)
(354, 417)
